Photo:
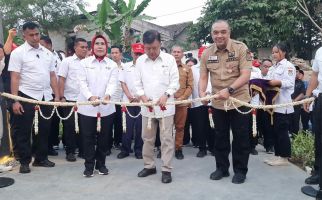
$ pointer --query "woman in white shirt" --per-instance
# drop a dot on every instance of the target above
(98, 79)
(282, 74)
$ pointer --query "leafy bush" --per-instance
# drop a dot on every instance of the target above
(303, 149)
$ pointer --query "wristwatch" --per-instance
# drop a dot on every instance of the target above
(231, 90)
(167, 94)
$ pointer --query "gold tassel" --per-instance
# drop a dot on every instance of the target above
(211, 120)
(36, 119)
(98, 126)
(254, 123)
(76, 119)
(124, 118)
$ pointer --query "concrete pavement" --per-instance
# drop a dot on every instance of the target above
(190, 181)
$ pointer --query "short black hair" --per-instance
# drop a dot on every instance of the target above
(29, 25)
(1, 46)
(117, 47)
(77, 40)
(192, 60)
(46, 39)
(301, 72)
(267, 59)
(150, 36)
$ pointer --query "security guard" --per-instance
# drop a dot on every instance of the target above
(316, 84)
(229, 63)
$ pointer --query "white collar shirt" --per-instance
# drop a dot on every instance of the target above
(255, 74)
(97, 79)
(126, 76)
(34, 66)
(153, 79)
(195, 91)
(69, 69)
(317, 67)
(285, 72)
(118, 95)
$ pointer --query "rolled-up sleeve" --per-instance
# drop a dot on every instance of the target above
(15, 63)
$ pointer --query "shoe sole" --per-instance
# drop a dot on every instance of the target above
(88, 176)
(100, 173)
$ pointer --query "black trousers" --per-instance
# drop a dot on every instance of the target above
(69, 133)
(282, 143)
(53, 139)
(265, 128)
(317, 130)
(239, 123)
(133, 131)
(305, 118)
(117, 127)
(205, 135)
(21, 129)
(294, 125)
(95, 145)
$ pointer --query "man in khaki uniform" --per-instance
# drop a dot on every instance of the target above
(185, 90)
(229, 64)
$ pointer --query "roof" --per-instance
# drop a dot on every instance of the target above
(176, 29)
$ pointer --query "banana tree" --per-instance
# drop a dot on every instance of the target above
(115, 19)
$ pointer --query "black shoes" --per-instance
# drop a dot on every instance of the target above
(218, 174)
(313, 180)
(270, 150)
(44, 163)
(138, 156)
(52, 152)
(70, 157)
(122, 155)
(108, 152)
(24, 169)
(147, 172)
(88, 173)
(253, 151)
(178, 154)
(103, 170)
(202, 153)
(238, 178)
(166, 177)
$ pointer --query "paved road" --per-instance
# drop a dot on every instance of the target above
(190, 181)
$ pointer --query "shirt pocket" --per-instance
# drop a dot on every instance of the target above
(232, 68)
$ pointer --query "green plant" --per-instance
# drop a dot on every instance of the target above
(303, 149)
(114, 17)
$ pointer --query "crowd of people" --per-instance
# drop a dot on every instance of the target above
(224, 69)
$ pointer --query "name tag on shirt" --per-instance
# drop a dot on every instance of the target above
(213, 59)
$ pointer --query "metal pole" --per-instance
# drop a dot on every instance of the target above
(1, 28)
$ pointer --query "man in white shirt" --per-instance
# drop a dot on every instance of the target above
(53, 139)
(316, 85)
(33, 76)
(126, 77)
(263, 117)
(157, 80)
(69, 91)
(116, 55)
